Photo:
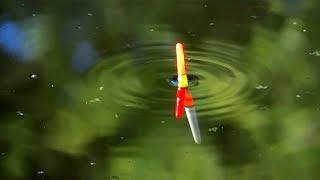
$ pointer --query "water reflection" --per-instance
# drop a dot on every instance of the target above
(12, 39)
(25, 41)
(84, 57)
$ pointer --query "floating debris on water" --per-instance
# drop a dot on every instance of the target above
(94, 100)
(40, 172)
(116, 116)
(309, 92)
(315, 53)
(128, 45)
(261, 87)
(33, 76)
(113, 178)
(214, 129)
(264, 108)
(20, 113)
(192, 33)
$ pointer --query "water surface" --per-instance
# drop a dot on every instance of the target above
(87, 89)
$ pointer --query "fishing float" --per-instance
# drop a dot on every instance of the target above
(184, 98)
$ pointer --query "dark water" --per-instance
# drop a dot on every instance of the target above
(87, 89)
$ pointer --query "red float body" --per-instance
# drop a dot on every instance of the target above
(181, 93)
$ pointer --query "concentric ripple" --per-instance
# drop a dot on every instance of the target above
(224, 83)
(138, 79)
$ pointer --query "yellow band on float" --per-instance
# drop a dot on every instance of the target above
(182, 81)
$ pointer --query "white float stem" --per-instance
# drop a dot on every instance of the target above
(193, 122)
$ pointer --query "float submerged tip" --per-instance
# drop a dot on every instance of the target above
(193, 122)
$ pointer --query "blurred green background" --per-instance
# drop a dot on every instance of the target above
(85, 89)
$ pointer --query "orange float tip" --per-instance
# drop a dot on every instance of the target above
(179, 46)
